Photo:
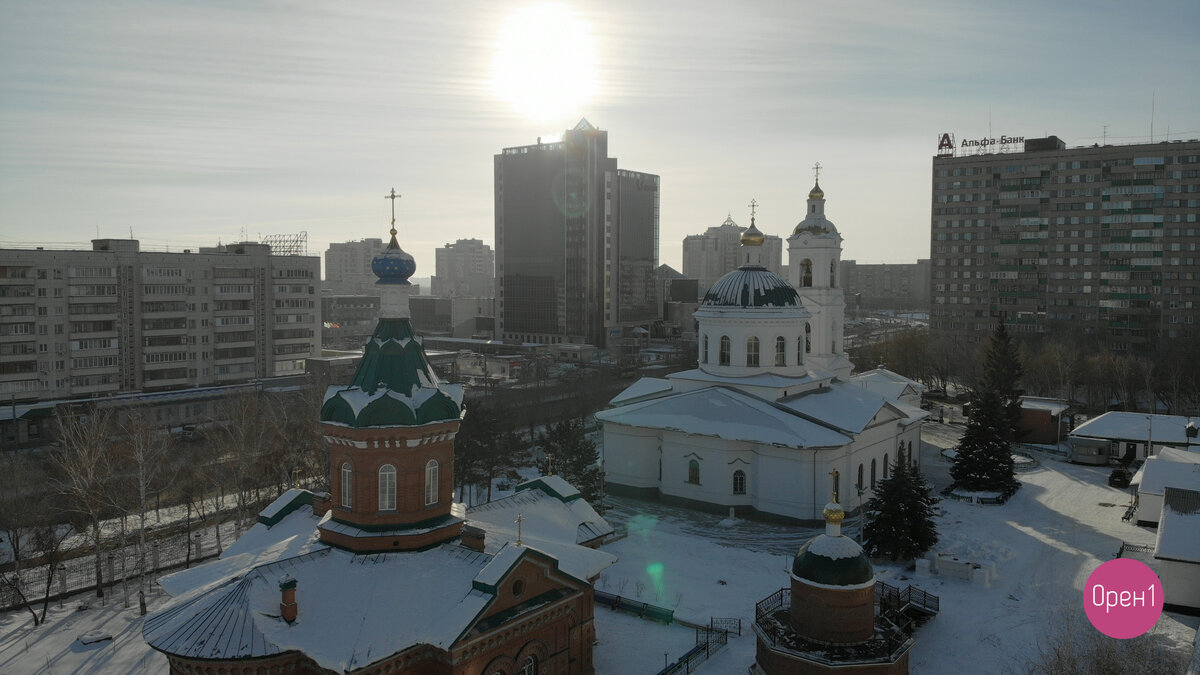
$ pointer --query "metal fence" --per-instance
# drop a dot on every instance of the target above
(707, 642)
(119, 568)
(637, 607)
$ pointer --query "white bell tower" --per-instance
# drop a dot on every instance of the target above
(814, 257)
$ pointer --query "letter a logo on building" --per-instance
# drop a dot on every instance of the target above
(946, 144)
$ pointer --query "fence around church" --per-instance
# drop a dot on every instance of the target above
(78, 574)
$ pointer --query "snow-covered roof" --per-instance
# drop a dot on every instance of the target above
(643, 388)
(1128, 426)
(1052, 405)
(769, 380)
(229, 608)
(886, 382)
(846, 406)
(1158, 473)
(1179, 526)
(347, 618)
(726, 413)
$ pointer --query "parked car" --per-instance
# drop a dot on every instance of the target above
(1119, 478)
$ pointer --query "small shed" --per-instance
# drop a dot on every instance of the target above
(1171, 468)
(1177, 549)
(1043, 420)
(1128, 436)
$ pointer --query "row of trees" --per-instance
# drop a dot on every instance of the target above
(115, 467)
(1065, 364)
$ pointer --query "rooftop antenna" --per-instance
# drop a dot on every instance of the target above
(1105, 136)
(1152, 116)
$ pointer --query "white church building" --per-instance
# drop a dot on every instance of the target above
(772, 408)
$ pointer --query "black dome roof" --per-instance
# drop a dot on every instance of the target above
(751, 286)
(814, 567)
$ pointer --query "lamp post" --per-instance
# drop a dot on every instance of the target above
(1150, 436)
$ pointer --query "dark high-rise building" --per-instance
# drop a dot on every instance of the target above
(1101, 239)
(576, 241)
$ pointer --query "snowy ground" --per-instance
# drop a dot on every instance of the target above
(1045, 541)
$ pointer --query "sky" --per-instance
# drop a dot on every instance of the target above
(188, 124)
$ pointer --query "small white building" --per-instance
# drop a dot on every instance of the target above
(1169, 468)
(1177, 549)
(1127, 436)
(772, 409)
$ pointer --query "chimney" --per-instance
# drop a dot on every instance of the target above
(472, 538)
(287, 604)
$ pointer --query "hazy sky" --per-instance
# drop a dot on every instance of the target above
(193, 122)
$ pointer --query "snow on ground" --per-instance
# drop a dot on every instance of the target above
(1045, 541)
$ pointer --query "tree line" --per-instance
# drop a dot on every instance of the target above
(1063, 364)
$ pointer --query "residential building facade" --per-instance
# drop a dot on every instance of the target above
(710, 256)
(466, 268)
(1098, 238)
(576, 241)
(886, 285)
(348, 266)
(117, 319)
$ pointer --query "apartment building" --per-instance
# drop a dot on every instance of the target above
(1102, 238)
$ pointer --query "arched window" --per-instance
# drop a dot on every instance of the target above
(833, 338)
(780, 351)
(387, 488)
(704, 352)
(529, 667)
(833, 274)
(752, 351)
(859, 484)
(739, 482)
(806, 272)
(723, 356)
(799, 351)
(885, 466)
(347, 485)
(693, 472)
(431, 482)
(807, 337)
(872, 474)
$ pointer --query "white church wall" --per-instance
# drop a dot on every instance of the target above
(631, 456)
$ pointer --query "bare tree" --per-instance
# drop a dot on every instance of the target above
(145, 450)
(84, 470)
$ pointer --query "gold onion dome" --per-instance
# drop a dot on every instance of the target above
(752, 236)
(816, 192)
(833, 513)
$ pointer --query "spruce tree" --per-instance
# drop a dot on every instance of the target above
(569, 453)
(1002, 374)
(899, 518)
(984, 460)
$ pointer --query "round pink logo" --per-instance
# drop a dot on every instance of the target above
(1123, 598)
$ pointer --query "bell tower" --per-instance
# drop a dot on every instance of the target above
(391, 432)
(814, 258)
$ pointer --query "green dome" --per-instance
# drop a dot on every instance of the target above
(393, 386)
(852, 570)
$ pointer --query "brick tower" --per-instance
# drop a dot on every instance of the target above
(391, 432)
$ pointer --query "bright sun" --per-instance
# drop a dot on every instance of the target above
(545, 62)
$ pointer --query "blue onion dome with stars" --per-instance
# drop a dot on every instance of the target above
(393, 265)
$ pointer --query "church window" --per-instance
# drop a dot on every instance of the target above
(799, 351)
(431, 482)
(752, 351)
(833, 338)
(806, 272)
(859, 484)
(739, 482)
(807, 337)
(723, 356)
(529, 667)
(780, 351)
(885, 466)
(704, 352)
(387, 488)
(693, 472)
(347, 485)
(833, 274)
(872, 474)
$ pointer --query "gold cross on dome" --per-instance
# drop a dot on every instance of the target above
(393, 196)
(753, 206)
(817, 171)
(520, 519)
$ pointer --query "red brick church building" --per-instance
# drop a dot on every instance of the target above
(385, 573)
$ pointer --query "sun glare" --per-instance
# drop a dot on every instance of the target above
(545, 62)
